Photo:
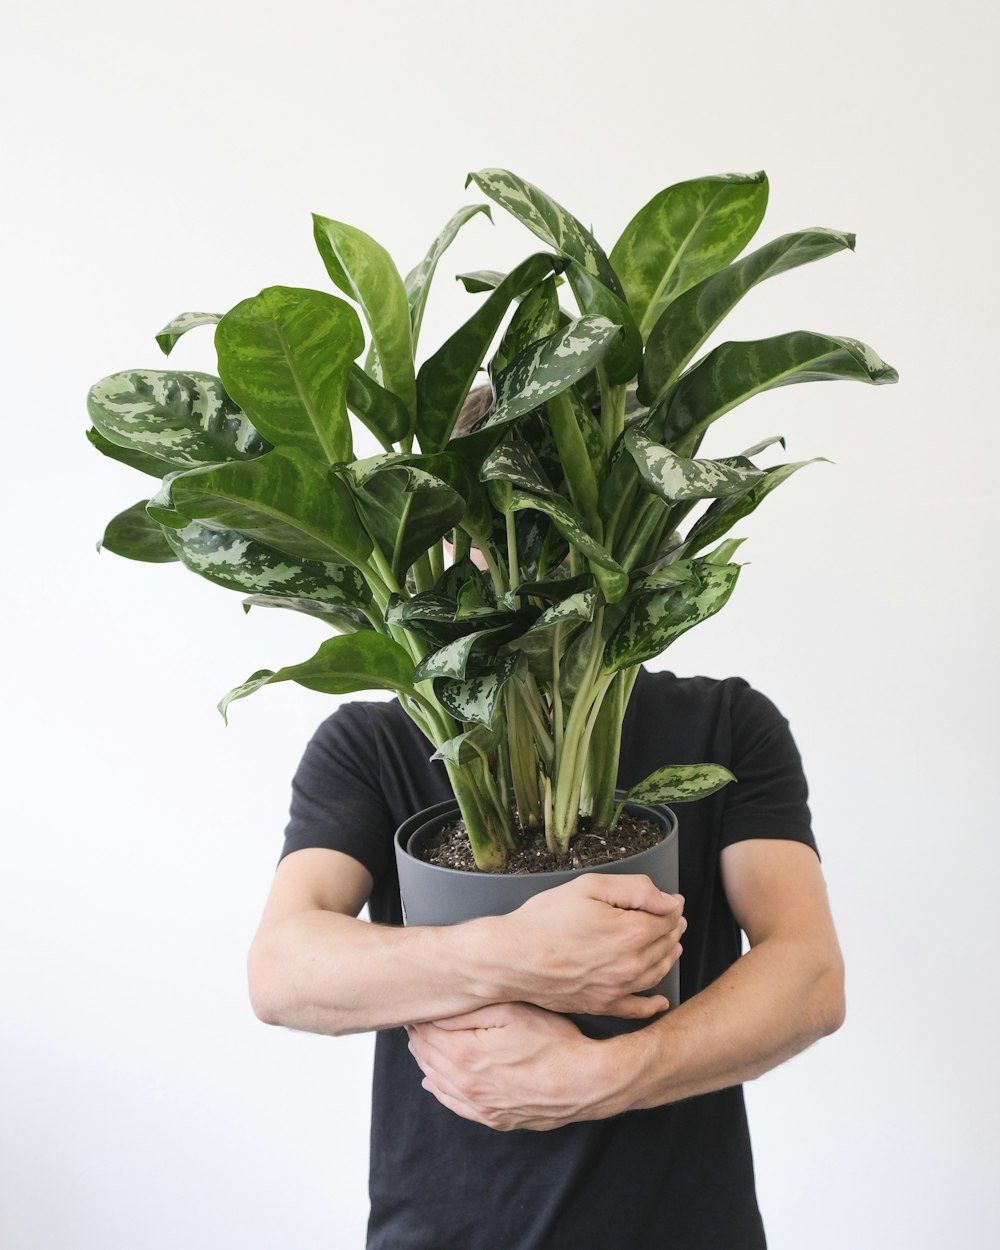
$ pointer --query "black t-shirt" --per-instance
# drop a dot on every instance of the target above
(678, 1177)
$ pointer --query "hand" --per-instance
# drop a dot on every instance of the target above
(511, 1066)
(590, 945)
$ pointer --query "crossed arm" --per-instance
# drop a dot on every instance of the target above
(481, 1000)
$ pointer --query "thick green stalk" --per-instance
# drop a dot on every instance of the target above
(489, 825)
(603, 756)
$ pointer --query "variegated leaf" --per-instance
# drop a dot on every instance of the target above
(174, 330)
(285, 500)
(625, 355)
(735, 372)
(445, 379)
(136, 536)
(242, 564)
(285, 356)
(653, 621)
(180, 419)
(343, 619)
(724, 513)
(365, 271)
(127, 455)
(362, 661)
(418, 280)
(675, 478)
(682, 235)
(515, 461)
(611, 577)
(538, 315)
(687, 322)
(536, 644)
(547, 219)
(549, 367)
(679, 783)
(474, 701)
(452, 659)
(480, 281)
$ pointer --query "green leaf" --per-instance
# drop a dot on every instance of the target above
(363, 661)
(653, 621)
(610, 576)
(625, 355)
(127, 455)
(381, 411)
(453, 658)
(406, 510)
(469, 747)
(364, 270)
(675, 478)
(724, 513)
(284, 356)
(549, 367)
(679, 783)
(136, 536)
(284, 500)
(480, 281)
(446, 378)
(735, 372)
(173, 330)
(685, 233)
(687, 322)
(567, 617)
(239, 563)
(548, 220)
(418, 280)
(180, 419)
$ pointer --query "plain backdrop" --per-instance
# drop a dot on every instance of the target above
(163, 158)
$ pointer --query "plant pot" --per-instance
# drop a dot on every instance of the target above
(434, 895)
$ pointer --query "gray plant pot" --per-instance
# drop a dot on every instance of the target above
(433, 895)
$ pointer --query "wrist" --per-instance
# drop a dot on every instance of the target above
(632, 1069)
(491, 962)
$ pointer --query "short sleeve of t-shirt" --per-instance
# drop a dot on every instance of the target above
(770, 796)
(337, 799)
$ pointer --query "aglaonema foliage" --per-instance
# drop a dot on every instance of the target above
(506, 578)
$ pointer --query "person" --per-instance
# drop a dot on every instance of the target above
(495, 1121)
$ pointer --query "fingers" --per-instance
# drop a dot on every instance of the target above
(632, 893)
(637, 1007)
(491, 1017)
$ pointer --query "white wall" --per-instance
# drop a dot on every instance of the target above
(162, 158)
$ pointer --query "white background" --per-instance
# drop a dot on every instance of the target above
(163, 158)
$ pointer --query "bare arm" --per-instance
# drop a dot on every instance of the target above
(516, 1067)
(314, 966)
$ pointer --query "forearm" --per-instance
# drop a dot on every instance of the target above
(772, 1003)
(324, 972)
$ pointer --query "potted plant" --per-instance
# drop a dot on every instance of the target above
(602, 534)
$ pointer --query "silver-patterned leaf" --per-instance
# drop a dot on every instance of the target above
(549, 367)
(653, 621)
(239, 563)
(452, 659)
(724, 513)
(127, 455)
(469, 747)
(674, 477)
(338, 616)
(179, 326)
(474, 701)
(547, 219)
(610, 576)
(680, 783)
(181, 419)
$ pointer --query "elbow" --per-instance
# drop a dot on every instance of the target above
(262, 986)
(830, 1008)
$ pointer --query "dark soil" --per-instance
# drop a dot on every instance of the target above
(449, 848)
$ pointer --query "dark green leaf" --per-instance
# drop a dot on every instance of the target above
(625, 355)
(682, 235)
(687, 322)
(362, 661)
(136, 536)
(680, 783)
(446, 378)
(406, 510)
(735, 372)
(128, 455)
(724, 513)
(611, 577)
(284, 356)
(381, 411)
(538, 315)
